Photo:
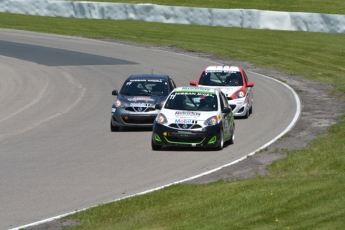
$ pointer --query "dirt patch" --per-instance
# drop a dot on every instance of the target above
(315, 100)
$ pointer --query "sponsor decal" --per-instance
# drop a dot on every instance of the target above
(220, 71)
(194, 89)
(194, 93)
(149, 80)
(184, 121)
(139, 105)
(155, 80)
(140, 98)
(187, 113)
(136, 80)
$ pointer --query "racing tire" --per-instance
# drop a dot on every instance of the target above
(113, 128)
(251, 110)
(221, 141)
(232, 138)
(247, 113)
(154, 146)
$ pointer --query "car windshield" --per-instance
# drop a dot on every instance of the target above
(192, 101)
(221, 78)
(145, 87)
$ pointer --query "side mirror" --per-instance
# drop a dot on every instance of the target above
(114, 93)
(250, 84)
(192, 82)
(158, 106)
(226, 110)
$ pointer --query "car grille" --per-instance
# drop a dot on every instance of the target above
(138, 120)
(185, 139)
(140, 109)
(233, 107)
(187, 126)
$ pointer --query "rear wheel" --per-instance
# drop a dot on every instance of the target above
(113, 128)
(232, 138)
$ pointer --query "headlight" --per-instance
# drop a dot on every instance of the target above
(161, 119)
(211, 121)
(240, 94)
(118, 103)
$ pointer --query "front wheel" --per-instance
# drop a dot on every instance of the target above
(154, 146)
(232, 138)
(247, 113)
(221, 141)
(113, 128)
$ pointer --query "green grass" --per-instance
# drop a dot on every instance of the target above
(306, 190)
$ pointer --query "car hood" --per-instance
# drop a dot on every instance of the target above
(227, 90)
(187, 117)
(150, 100)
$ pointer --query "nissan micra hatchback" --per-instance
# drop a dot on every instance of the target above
(194, 117)
(135, 103)
(234, 83)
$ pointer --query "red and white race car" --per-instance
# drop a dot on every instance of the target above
(234, 83)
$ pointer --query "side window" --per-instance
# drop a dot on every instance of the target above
(172, 83)
(225, 101)
(221, 100)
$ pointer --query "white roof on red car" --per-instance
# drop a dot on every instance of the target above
(222, 68)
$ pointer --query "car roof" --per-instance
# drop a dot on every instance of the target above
(196, 89)
(148, 76)
(226, 68)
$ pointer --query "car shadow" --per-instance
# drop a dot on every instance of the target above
(192, 149)
(134, 129)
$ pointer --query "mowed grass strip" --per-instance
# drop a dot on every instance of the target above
(306, 190)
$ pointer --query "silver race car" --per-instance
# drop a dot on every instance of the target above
(135, 102)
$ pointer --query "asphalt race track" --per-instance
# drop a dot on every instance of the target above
(56, 149)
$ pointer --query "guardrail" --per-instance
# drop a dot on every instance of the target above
(252, 19)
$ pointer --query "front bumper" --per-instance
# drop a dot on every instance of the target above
(123, 117)
(239, 106)
(166, 136)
